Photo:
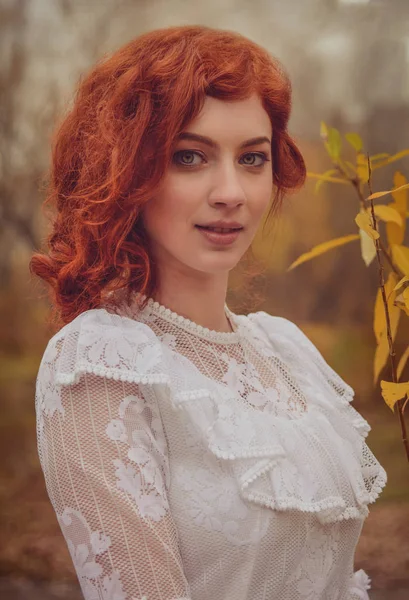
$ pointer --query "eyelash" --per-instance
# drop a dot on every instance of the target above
(181, 152)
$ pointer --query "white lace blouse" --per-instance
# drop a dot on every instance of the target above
(189, 464)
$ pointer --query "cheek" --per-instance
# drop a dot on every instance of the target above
(164, 219)
(262, 203)
(158, 222)
(262, 191)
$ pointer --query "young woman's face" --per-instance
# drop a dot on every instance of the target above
(226, 175)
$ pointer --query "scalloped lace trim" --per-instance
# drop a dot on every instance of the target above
(273, 474)
(110, 373)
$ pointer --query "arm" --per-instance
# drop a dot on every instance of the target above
(104, 456)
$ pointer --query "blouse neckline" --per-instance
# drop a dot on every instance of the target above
(171, 316)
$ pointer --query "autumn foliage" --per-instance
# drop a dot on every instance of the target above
(392, 298)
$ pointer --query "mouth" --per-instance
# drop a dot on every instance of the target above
(219, 236)
(220, 229)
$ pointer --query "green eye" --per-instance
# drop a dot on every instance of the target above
(177, 158)
(259, 155)
(183, 152)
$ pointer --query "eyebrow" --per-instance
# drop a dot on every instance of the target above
(195, 137)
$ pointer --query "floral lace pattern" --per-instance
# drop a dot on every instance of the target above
(184, 463)
(47, 397)
(141, 478)
(112, 354)
(213, 503)
(239, 377)
(85, 547)
(314, 572)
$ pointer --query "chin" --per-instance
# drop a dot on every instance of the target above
(219, 264)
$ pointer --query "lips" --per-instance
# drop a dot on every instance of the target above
(219, 229)
(219, 239)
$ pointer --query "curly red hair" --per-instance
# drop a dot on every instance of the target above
(112, 149)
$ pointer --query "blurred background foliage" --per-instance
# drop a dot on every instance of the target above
(349, 64)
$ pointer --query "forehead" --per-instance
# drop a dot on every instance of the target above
(245, 118)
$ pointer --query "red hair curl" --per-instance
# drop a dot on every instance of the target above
(111, 151)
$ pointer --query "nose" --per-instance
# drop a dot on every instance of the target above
(226, 187)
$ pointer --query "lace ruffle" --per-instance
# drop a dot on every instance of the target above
(317, 462)
(310, 463)
(360, 583)
(108, 345)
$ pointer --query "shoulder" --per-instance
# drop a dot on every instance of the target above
(107, 344)
(286, 337)
(290, 342)
(277, 325)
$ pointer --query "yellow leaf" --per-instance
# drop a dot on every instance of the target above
(400, 256)
(321, 181)
(396, 234)
(334, 143)
(392, 392)
(368, 248)
(400, 197)
(381, 357)
(351, 166)
(362, 167)
(364, 221)
(400, 283)
(401, 301)
(324, 177)
(402, 362)
(381, 194)
(405, 295)
(391, 159)
(388, 214)
(355, 140)
(345, 165)
(380, 331)
(379, 317)
(321, 248)
(394, 312)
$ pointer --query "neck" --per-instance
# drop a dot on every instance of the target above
(202, 302)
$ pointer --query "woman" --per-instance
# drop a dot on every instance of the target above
(189, 452)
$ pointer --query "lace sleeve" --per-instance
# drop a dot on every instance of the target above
(104, 456)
